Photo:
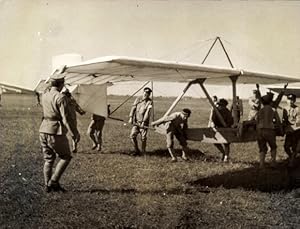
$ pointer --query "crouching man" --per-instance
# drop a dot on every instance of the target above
(176, 125)
(57, 121)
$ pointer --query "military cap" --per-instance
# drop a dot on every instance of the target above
(291, 97)
(147, 89)
(266, 99)
(186, 111)
(57, 77)
(223, 102)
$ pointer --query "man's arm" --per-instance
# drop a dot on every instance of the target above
(279, 97)
(65, 113)
(132, 111)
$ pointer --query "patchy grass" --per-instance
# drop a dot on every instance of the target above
(113, 189)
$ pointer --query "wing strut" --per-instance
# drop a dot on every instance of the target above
(178, 98)
(212, 103)
(129, 98)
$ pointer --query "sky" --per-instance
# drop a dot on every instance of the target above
(258, 35)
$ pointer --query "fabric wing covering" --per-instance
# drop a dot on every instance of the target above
(92, 98)
(120, 69)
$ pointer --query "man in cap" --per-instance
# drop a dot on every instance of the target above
(54, 127)
(73, 108)
(255, 104)
(291, 124)
(228, 119)
(139, 117)
(176, 124)
(267, 119)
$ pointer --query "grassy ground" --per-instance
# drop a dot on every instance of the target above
(113, 189)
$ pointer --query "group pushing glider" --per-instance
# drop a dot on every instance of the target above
(113, 69)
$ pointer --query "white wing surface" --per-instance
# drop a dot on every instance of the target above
(118, 69)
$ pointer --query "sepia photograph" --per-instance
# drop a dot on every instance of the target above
(149, 114)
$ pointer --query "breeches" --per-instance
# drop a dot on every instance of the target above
(266, 137)
(137, 130)
(55, 144)
(170, 139)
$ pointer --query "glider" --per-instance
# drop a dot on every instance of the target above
(112, 69)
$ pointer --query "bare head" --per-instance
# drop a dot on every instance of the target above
(147, 93)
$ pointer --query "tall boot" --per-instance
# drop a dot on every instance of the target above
(262, 156)
(273, 158)
(47, 171)
(144, 144)
(136, 146)
(171, 152)
(59, 170)
(184, 150)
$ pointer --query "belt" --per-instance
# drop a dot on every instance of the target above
(52, 119)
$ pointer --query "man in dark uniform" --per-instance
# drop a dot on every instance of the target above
(95, 131)
(291, 124)
(54, 127)
(226, 114)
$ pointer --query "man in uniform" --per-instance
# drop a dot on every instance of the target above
(291, 124)
(73, 107)
(176, 124)
(95, 131)
(226, 114)
(54, 127)
(139, 117)
(266, 122)
(255, 104)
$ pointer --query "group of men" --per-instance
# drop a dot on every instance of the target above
(175, 124)
(59, 117)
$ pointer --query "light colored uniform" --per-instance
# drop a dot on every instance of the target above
(175, 126)
(255, 105)
(291, 123)
(140, 114)
(54, 127)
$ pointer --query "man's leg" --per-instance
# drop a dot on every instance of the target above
(170, 145)
(61, 146)
(91, 132)
(227, 151)
(262, 145)
(183, 143)
(171, 152)
(144, 139)
(221, 149)
(133, 138)
(49, 158)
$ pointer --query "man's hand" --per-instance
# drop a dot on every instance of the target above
(257, 86)
(76, 138)
(130, 120)
(285, 86)
(142, 125)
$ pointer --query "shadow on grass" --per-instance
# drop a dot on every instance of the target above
(268, 180)
(174, 191)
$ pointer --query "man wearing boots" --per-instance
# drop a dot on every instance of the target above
(139, 117)
(54, 127)
(267, 119)
(291, 124)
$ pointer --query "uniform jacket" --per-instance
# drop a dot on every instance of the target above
(140, 111)
(291, 118)
(57, 115)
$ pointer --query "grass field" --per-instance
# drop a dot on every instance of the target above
(114, 190)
